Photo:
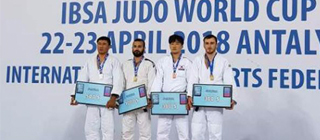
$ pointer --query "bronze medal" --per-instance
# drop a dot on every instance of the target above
(174, 75)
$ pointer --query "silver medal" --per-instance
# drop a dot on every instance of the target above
(100, 76)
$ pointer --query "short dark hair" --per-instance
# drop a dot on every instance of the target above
(210, 36)
(174, 38)
(104, 38)
(140, 40)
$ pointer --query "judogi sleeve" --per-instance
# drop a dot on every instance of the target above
(158, 81)
(151, 77)
(117, 78)
(193, 76)
(124, 78)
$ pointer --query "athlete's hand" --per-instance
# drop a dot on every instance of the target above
(73, 101)
(189, 104)
(112, 102)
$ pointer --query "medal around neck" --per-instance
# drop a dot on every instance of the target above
(136, 68)
(100, 76)
(211, 77)
(174, 75)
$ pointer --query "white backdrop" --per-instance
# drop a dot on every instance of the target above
(37, 106)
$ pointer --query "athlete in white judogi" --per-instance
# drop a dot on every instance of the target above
(105, 69)
(210, 68)
(172, 76)
(138, 71)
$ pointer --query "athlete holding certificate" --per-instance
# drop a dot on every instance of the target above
(210, 68)
(138, 71)
(172, 74)
(104, 69)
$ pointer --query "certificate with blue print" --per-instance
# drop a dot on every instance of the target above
(169, 103)
(212, 95)
(132, 99)
(92, 93)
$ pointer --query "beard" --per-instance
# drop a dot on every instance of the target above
(210, 51)
(138, 53)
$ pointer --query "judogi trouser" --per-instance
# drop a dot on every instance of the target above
(164, 126)
(143, 121)
(207, 118)
(96, 118)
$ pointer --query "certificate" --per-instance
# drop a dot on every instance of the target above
(132, 99)
(92, 93)
(169, 103)
(212, 95)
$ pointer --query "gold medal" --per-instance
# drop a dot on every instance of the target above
(136, 68)
(174, 75)
(211, 77)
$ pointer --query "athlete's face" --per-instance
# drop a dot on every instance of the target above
(175, 47)
(137, 48)
(103, 46)
(210, 45)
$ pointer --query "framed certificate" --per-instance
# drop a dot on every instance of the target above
(132, 99)
(92, 93)
(212, 95)
(169, 103)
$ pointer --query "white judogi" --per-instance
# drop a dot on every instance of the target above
(146, 74)
(99, 120)
(165, 82)
(206, 117)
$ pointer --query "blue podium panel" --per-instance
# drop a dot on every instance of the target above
(169, 103)
(92, 93)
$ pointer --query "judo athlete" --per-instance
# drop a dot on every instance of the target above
(102, 68)
(138, 71)
(210, 68)
(172, 74)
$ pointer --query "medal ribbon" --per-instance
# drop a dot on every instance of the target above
(101, 65)
(176, 66)
(136, 66)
